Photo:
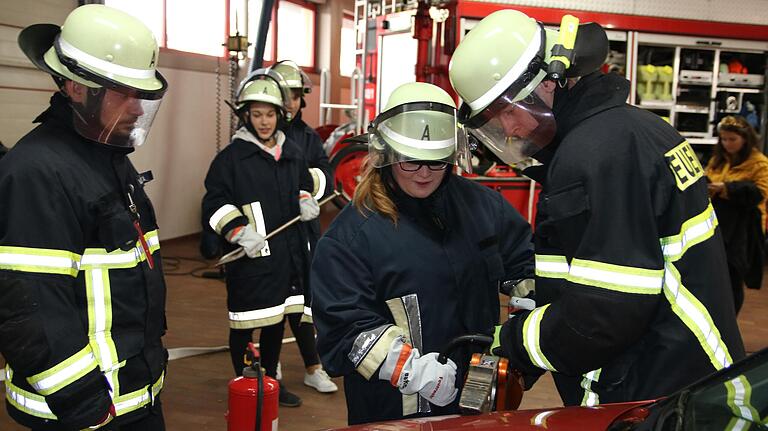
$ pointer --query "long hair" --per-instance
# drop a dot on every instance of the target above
(739, 125)
(371, 193)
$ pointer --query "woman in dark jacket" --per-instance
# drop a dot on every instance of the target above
(255, 185)
(415, 262)
(738, 186)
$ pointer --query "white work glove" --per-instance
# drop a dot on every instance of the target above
(247, 237)
(410, 372)
(308, 206)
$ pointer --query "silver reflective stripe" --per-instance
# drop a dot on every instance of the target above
(64, 373)
(739, 399)
(407, 315)
(95, 62)
(531, 338)
(255, 216)
(318, 177)
(95, 258)
(620, 278)
(222, 216)
(99, 293)
(371, 348)
(27, 402)
(266, 316)
(135, 400)
(695, 316)
(551, 266)
(39, 260)
(693, 231)
(590, 397)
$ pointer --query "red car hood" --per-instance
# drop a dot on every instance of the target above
(559, 419)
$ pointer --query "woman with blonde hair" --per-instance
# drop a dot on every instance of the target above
(413, 262)
(738, 186)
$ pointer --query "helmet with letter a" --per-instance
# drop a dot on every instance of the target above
(498, 66)
(418, 123)
(111, 57)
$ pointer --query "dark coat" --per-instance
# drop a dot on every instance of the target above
(435, 274)
(630, 263)
(249, 179)
(86, 291)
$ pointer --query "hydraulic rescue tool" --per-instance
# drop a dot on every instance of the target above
(240, 252)
(253, 397)
(490, 384)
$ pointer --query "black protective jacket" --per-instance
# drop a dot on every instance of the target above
(309, 142)
(632, 285)
(81, 307)
(246, 185)
(433, 276)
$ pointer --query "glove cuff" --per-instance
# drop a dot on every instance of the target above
(235, 234)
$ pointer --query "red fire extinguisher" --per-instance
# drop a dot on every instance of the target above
(253, 398)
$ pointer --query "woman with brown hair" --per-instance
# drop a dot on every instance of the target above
(738, 186)
(413, 262)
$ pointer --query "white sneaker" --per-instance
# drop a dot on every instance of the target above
(320, 381)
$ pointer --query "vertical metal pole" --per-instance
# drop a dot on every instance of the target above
(261, 37)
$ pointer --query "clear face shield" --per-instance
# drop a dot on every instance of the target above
(113, 114)
(418, 132)
(519, 130)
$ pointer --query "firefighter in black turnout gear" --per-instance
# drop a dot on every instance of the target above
(632, 288)
(298, 85)
(82, 295)
(254, 186)
(413, 262)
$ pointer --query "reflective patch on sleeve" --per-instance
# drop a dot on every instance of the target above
(319, 181)
(222, 216)
(684, 164)
(620, 278)
(551, 266)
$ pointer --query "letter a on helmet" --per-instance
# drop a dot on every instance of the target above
(418, 124)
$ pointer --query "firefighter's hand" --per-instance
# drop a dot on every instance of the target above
(308, 206)
(247, 237)
(410, 372)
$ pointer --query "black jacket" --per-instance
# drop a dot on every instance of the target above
(629, 259)
(77, 294)
(246, 185)
(435, 275)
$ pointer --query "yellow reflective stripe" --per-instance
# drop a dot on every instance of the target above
(531, 332)
(693, 231)
(139, 398)
(738, 424)
(99, 293)
(222, 216)
(266, 316)
(319, 181)
(94, 258)
(25, 401)
(590, 398)
(40, 260)
(695, 316)
(625, 279)
(551, 266)
(739, 399)
(64, 373)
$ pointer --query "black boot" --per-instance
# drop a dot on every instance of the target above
(288, 399)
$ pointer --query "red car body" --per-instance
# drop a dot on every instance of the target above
(557, 419)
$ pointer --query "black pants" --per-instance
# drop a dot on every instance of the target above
(270, 343)
(737, 286)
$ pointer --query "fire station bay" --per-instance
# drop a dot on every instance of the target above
(383, 215)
